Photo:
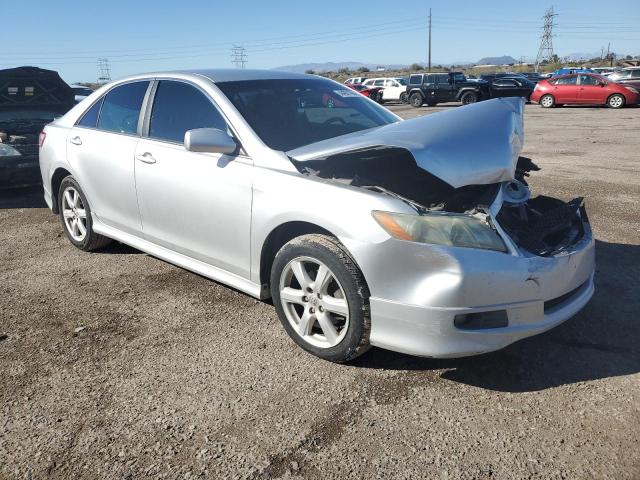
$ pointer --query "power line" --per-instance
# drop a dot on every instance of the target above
(545, 52)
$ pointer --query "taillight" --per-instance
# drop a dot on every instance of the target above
(41, 138)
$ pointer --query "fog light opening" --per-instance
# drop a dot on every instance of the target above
(481, 320)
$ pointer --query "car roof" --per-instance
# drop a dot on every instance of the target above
(220, 75)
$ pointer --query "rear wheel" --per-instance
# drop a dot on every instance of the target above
(75, 215)
(469, 98)
(321, 297)
(616, 101)
(547, 101)
(416, 100)
(404, 98)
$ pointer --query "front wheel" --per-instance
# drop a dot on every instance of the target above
(75, 215)
(547, 101)
(416, 100)
(321, 298)
(616, 101)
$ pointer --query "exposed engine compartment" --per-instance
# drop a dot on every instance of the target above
(392, 171)
(542, 225)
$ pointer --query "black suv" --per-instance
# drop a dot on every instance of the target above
(434, 88)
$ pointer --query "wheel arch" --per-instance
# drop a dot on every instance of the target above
(624, 98)
(56, 179)
(277, 238)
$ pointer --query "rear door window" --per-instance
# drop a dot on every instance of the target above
(121, 108)
(179, 107)
(571, 80)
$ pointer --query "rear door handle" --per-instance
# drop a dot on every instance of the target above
(76, 141)
(145, 157)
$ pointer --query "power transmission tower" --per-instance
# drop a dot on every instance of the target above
(104, 71)
(429, 64)
(545, 52)
(239, 56)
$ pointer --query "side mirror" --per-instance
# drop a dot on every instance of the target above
(209, 140)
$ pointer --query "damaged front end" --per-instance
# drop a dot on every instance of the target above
(476, 175)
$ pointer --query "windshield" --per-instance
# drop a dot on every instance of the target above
(291, 113)
(402, 81)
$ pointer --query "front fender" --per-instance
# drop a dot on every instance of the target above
(282, 197)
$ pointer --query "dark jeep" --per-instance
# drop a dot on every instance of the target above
(434, 88)
(30, 97)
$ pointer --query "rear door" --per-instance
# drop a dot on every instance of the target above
(590, 90)
(443, 88)
(101, 148)
(197, 204)
(565, 89)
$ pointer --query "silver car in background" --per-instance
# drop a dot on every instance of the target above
(419, 236)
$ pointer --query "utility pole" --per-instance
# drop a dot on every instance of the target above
(239, 56)
(429, 63)
(545, 52)
(104, 71)
(608, 54)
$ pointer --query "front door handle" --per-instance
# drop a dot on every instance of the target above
(76, 141)
(145, 157)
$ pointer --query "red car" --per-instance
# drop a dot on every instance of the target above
(583, 88)
(374, 93)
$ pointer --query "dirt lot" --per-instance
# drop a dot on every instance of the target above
(176, 376)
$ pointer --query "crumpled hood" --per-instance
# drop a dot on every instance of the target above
(472, 145)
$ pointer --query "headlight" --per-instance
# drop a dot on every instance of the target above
(632, 89)
(441, 229)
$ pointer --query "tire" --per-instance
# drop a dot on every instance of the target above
(416, 100)
(468, 98)
(616, 101)
(346, 336)
(74, 209)
(404, 98)
(547, 101)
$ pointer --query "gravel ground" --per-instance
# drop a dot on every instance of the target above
(118, 365)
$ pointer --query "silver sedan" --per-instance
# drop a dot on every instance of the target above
(419, 236)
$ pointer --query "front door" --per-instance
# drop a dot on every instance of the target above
(198, 204)
(590, 90)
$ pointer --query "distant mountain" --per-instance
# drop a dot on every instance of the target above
(504, 60)
(335, 66)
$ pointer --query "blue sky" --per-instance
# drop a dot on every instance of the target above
(142, 35)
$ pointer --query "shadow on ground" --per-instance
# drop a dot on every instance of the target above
(25, 197)
(600, 342)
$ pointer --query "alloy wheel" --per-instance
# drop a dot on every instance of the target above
(616, 101)
(546, 101)
(74, 214)
(314, 302)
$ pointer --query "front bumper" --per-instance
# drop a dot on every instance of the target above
(417, 291)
